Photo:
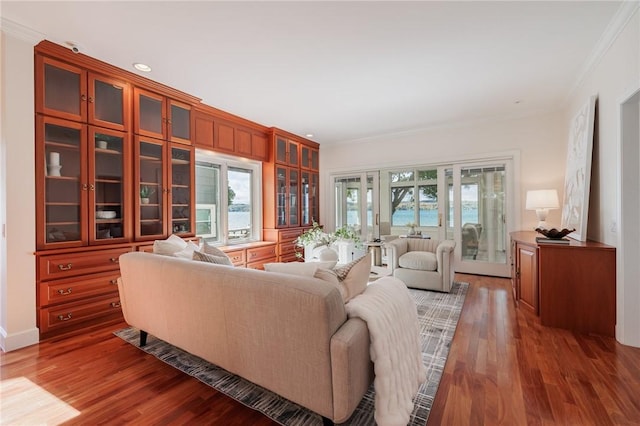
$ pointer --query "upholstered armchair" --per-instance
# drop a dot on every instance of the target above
(422, 263)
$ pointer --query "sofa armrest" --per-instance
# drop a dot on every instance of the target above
(395, 249)
(444, 256)
(351, 367)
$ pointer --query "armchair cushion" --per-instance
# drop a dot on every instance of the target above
(419, 260)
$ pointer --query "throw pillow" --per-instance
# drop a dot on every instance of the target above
(307, 269)
(215, 251)
(330, 276)
(354, 276)
(187, 252)
(170, 246)
(204, 257)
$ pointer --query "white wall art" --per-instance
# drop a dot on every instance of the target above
(578, 173)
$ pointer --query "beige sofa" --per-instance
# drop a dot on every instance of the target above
(422, 263)
(287, 333)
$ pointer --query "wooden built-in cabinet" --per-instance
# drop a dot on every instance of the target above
(160, 117)
(115, 169)
(222, 135)
(71, 92)
(570, 286)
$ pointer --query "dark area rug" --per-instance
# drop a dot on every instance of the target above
(438, 315)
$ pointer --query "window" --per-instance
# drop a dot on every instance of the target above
(230, 215)
(404, 186)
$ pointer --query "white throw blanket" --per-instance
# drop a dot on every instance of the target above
(392, 318)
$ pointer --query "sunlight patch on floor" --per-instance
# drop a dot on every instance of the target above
(24, 402)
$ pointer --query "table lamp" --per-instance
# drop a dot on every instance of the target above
(541, 201)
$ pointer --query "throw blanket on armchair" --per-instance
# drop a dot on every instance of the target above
(392, 318)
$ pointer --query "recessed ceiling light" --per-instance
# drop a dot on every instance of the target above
(309, 135)
(142, 67)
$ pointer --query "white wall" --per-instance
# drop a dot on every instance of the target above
(615, 76)
(17, 194)
(540, 141)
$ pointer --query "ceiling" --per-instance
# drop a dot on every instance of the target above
(341, 70)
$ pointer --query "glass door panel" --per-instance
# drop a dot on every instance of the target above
(108, 102)
(314, 198)
(208, 201)
(65, 193)
(281, 205)
(305, 157)
(293, 153)
(181, 202)
(348, 202)
(180, 123)
(294, 218)
(305, 205)
(315, 159)
(281, 150)
(150, 170)
(149, 114)
(108, 171)
(63, 88)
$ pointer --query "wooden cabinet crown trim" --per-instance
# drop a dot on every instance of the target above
(61, 53)
(276, 131)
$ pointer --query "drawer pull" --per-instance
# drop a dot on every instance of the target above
(63, 318)
(114, 260)
(65, 292)
(114, 282)
(66, 267)
(115, 304)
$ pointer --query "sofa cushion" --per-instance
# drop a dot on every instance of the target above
(419, 260)
(170, 246)
(307, 269)
(354, 276)
(204, 257)
(215, 251)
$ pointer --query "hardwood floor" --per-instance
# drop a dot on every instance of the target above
(503, 368)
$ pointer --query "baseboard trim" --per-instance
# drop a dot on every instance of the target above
(11, 342)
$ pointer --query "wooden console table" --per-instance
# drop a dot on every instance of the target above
(569, 286)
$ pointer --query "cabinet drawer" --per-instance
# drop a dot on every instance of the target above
(72, 264)
(261, 253)
(68, 290)
(290, 258)
(289, 235)
(237, 257)
(288, 248)
(260, 264)
(78, 314)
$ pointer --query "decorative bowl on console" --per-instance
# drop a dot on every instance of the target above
(554, 233)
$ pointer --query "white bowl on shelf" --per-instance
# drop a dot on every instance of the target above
(105, 214)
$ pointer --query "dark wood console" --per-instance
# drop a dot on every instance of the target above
(570, 286)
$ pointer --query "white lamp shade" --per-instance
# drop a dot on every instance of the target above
(542, 199)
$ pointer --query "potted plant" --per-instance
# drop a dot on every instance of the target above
(145, 193)
(316, 237)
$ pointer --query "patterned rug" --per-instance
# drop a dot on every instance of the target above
(438, 314)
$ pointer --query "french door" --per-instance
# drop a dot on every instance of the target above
(475, 214)
(356, 201)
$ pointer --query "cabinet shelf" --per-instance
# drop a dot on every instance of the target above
(115, 220)
(68, 178)
(150, 159)
(179, 161)
(180, 219)
(180, 205)
(114, 181)
(179, 186)
(150, 220)
(62, 223)
(60, 204)
(108, 151)
(69, 146)
(150, 205)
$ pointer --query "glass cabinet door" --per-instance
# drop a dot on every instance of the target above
(281, 204)
(61, 89)
(314, 198)
(181, 194)
(281, 150)
(179, 122)
(108, 102)
(149, 114)
(305, 157)
(62, 205)
(294, 218)
(108, 177)
(305, 207)
(315, 159)
(150, 155)
(294, 154)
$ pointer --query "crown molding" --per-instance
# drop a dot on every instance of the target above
(20, 31)
(617, 24)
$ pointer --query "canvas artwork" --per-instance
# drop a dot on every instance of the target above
(578, 173)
